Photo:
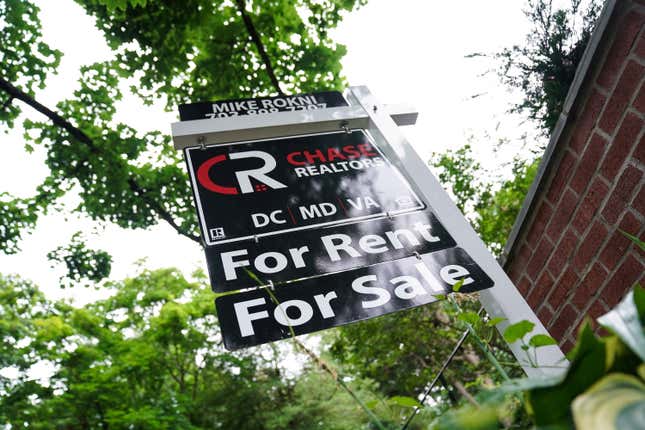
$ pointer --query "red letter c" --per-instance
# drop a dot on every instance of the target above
(205, 180)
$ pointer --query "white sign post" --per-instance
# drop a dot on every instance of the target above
(381, 122)
(503, 300)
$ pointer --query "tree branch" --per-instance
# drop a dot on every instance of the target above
(80, 136)
(53, 116)
(255, 36)
(462, 390)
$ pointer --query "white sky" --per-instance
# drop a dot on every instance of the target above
(404, 51)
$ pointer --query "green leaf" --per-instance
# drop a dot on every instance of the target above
(634, 239)
(541, 340)
(494, 321)
(617, 401)
(406, 402)
(469, 418)
(469, 317)
(626, 322)
(525, 384)
(458, 286)
(550, 404)
(371, 404)
(517, 331)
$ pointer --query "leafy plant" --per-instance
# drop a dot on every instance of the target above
(601, 389)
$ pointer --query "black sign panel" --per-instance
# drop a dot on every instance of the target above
(307, 253)
(253, 189)
(261, 105)
(252, 318)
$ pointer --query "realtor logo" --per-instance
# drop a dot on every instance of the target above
(243, 177)
(217, 233)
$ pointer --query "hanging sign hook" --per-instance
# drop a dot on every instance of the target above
(345, 126)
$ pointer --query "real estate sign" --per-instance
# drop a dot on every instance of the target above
(321, 230)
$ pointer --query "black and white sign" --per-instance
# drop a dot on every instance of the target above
(252, 318)
(249, 190)
(258, 106)
(301, 254)
(326, 219)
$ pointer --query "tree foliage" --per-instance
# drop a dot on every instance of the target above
(150, 357)
(204, 50)
(491, 206)
(402, 365)
(544, 66)
(25, 58)
(171, 51)
(82, 263)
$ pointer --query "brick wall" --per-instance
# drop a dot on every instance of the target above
(570, 259)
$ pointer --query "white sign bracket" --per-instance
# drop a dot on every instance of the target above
(279, 124)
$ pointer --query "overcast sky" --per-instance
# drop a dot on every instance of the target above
(405, 51)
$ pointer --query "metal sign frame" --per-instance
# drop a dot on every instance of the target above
(381, 122)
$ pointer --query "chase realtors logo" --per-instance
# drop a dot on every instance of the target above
(243, 177)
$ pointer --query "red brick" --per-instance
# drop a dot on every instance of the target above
(539, 223)
(564, 287)
(542, 252)
(618, 243)
(639, 202)
(587, 121)
(562, 252)
(622, 145)
(590, 286)
(627, 274)
(563, 322)
(630, 224)
(621, 96)
(639, 101)
(597, 309)
(563, 171)
(566, 346)
(540, 291)
(562, 216)
(590, 205)
(524, 286)
(588, 163)
(639, 153)
(545, 315)
(639, 48)
(589, 246)
(622, 193)
(623, 43)
(517, 264)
